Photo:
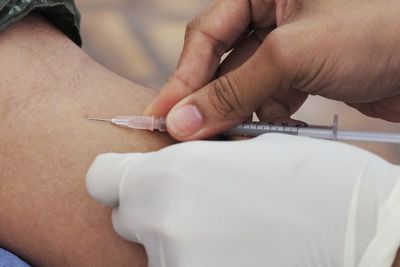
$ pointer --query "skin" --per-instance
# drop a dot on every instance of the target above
(342, 50)
(47, 146)
(48, 87)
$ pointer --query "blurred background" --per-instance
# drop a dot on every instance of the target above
(141, 40)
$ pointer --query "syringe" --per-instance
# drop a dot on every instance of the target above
(253, 129)
(137, 122)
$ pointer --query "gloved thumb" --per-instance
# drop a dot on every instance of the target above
(105, 176)
(228, 100)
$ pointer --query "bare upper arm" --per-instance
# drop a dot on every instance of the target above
(47, 144)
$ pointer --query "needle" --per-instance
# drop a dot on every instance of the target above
(98, 119)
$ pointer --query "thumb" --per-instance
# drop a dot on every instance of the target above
(231, 98)
(106, 174)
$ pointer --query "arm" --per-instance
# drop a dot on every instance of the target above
(397, 261)
(48, 86)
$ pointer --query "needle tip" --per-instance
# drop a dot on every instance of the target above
(98, 119)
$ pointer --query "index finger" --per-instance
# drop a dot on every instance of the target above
(208, 37)
(105, 175)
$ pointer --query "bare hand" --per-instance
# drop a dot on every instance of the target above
(283, 50)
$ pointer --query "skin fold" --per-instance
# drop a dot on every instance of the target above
(48, 87)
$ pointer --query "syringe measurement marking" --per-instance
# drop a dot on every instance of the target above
(270, 127)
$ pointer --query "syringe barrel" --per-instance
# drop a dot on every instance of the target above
(257, 129)
(318, 132)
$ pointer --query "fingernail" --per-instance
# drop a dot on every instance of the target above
(185, 120)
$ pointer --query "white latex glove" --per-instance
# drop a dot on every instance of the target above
(273, 201)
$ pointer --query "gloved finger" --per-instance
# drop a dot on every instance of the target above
(233, 97)
(207, 38)
(105, 175)
(281, 105)
(124, 227)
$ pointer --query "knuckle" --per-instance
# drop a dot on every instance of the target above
(225, 97)
(289, 10)
(194, 33)
(281, 51)
(191, 26)
(183, 80)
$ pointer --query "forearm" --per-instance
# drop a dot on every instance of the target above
(48, 88)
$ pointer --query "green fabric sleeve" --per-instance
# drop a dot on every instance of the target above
(62, 13)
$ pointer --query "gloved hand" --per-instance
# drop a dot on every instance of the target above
(273, 201)
(283, 50)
